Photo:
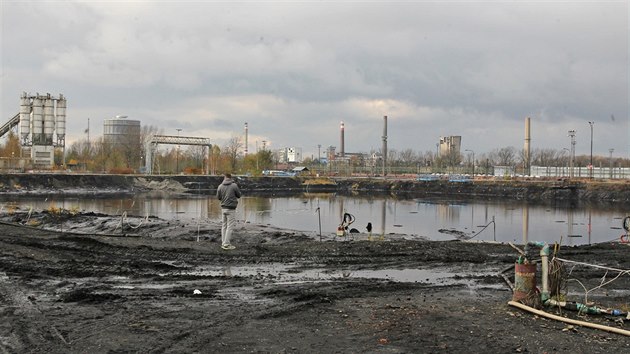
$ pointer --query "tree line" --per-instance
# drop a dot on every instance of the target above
(128, 156)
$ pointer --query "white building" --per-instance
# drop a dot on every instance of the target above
(289, 155)
(450, 145)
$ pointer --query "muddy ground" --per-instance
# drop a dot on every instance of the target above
(162, 286)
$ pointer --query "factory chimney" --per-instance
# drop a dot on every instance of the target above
(384, 152)
(527, 147)
(342, 153)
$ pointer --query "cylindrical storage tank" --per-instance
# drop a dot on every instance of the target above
(25, 116)
(38, 116)
(61, 117)
(121, 131)
(49, 118)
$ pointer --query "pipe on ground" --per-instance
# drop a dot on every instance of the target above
(568, 320)
(544, 254)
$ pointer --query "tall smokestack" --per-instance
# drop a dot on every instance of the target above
(343, 151)
(246, 133)
(384, 145)
(527, 148)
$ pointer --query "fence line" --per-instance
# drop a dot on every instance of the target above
(581, 172)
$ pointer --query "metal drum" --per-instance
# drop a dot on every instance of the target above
(524, 281)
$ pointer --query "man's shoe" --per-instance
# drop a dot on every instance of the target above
(228, 247)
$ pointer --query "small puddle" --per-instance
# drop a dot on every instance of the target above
(283, 273)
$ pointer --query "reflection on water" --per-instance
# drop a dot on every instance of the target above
(526, 225)
(433, 219)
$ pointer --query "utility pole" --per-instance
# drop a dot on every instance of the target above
(590, 166)
(572, 157)
(384, 146)
(177, 153)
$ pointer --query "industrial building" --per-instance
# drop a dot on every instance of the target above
(289, 155)
(450, 145)
(42, 126)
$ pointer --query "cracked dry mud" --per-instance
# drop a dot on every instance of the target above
(279, 292)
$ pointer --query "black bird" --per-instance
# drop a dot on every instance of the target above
(369, 227)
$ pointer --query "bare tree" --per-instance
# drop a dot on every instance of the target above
(231, 151)
(506, 156)
(81, 152)
(545, 157)
(408, 157)
(452, 158)
(197, 155)
(392, 157)
(428, 157)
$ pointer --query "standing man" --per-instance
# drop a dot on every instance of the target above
(228, 193)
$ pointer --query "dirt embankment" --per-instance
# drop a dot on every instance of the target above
(534, 190)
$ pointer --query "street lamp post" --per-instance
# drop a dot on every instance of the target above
(473, 162)
(177, 153)
(590, 166)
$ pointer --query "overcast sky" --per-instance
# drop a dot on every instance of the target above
(295, 70)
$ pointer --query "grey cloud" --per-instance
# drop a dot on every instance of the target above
(449, 64)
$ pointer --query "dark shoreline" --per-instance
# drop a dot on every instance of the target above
(537, 191)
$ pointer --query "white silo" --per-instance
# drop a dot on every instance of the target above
(49, 119)
(61, 118)
(38, 118)
(25, 117)
(41, 118)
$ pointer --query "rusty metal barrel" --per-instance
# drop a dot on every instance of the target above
(524, 281)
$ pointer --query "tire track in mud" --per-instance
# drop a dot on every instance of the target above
(32, 329)
(51, 257)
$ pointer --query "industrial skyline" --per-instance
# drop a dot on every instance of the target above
(433, 69)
